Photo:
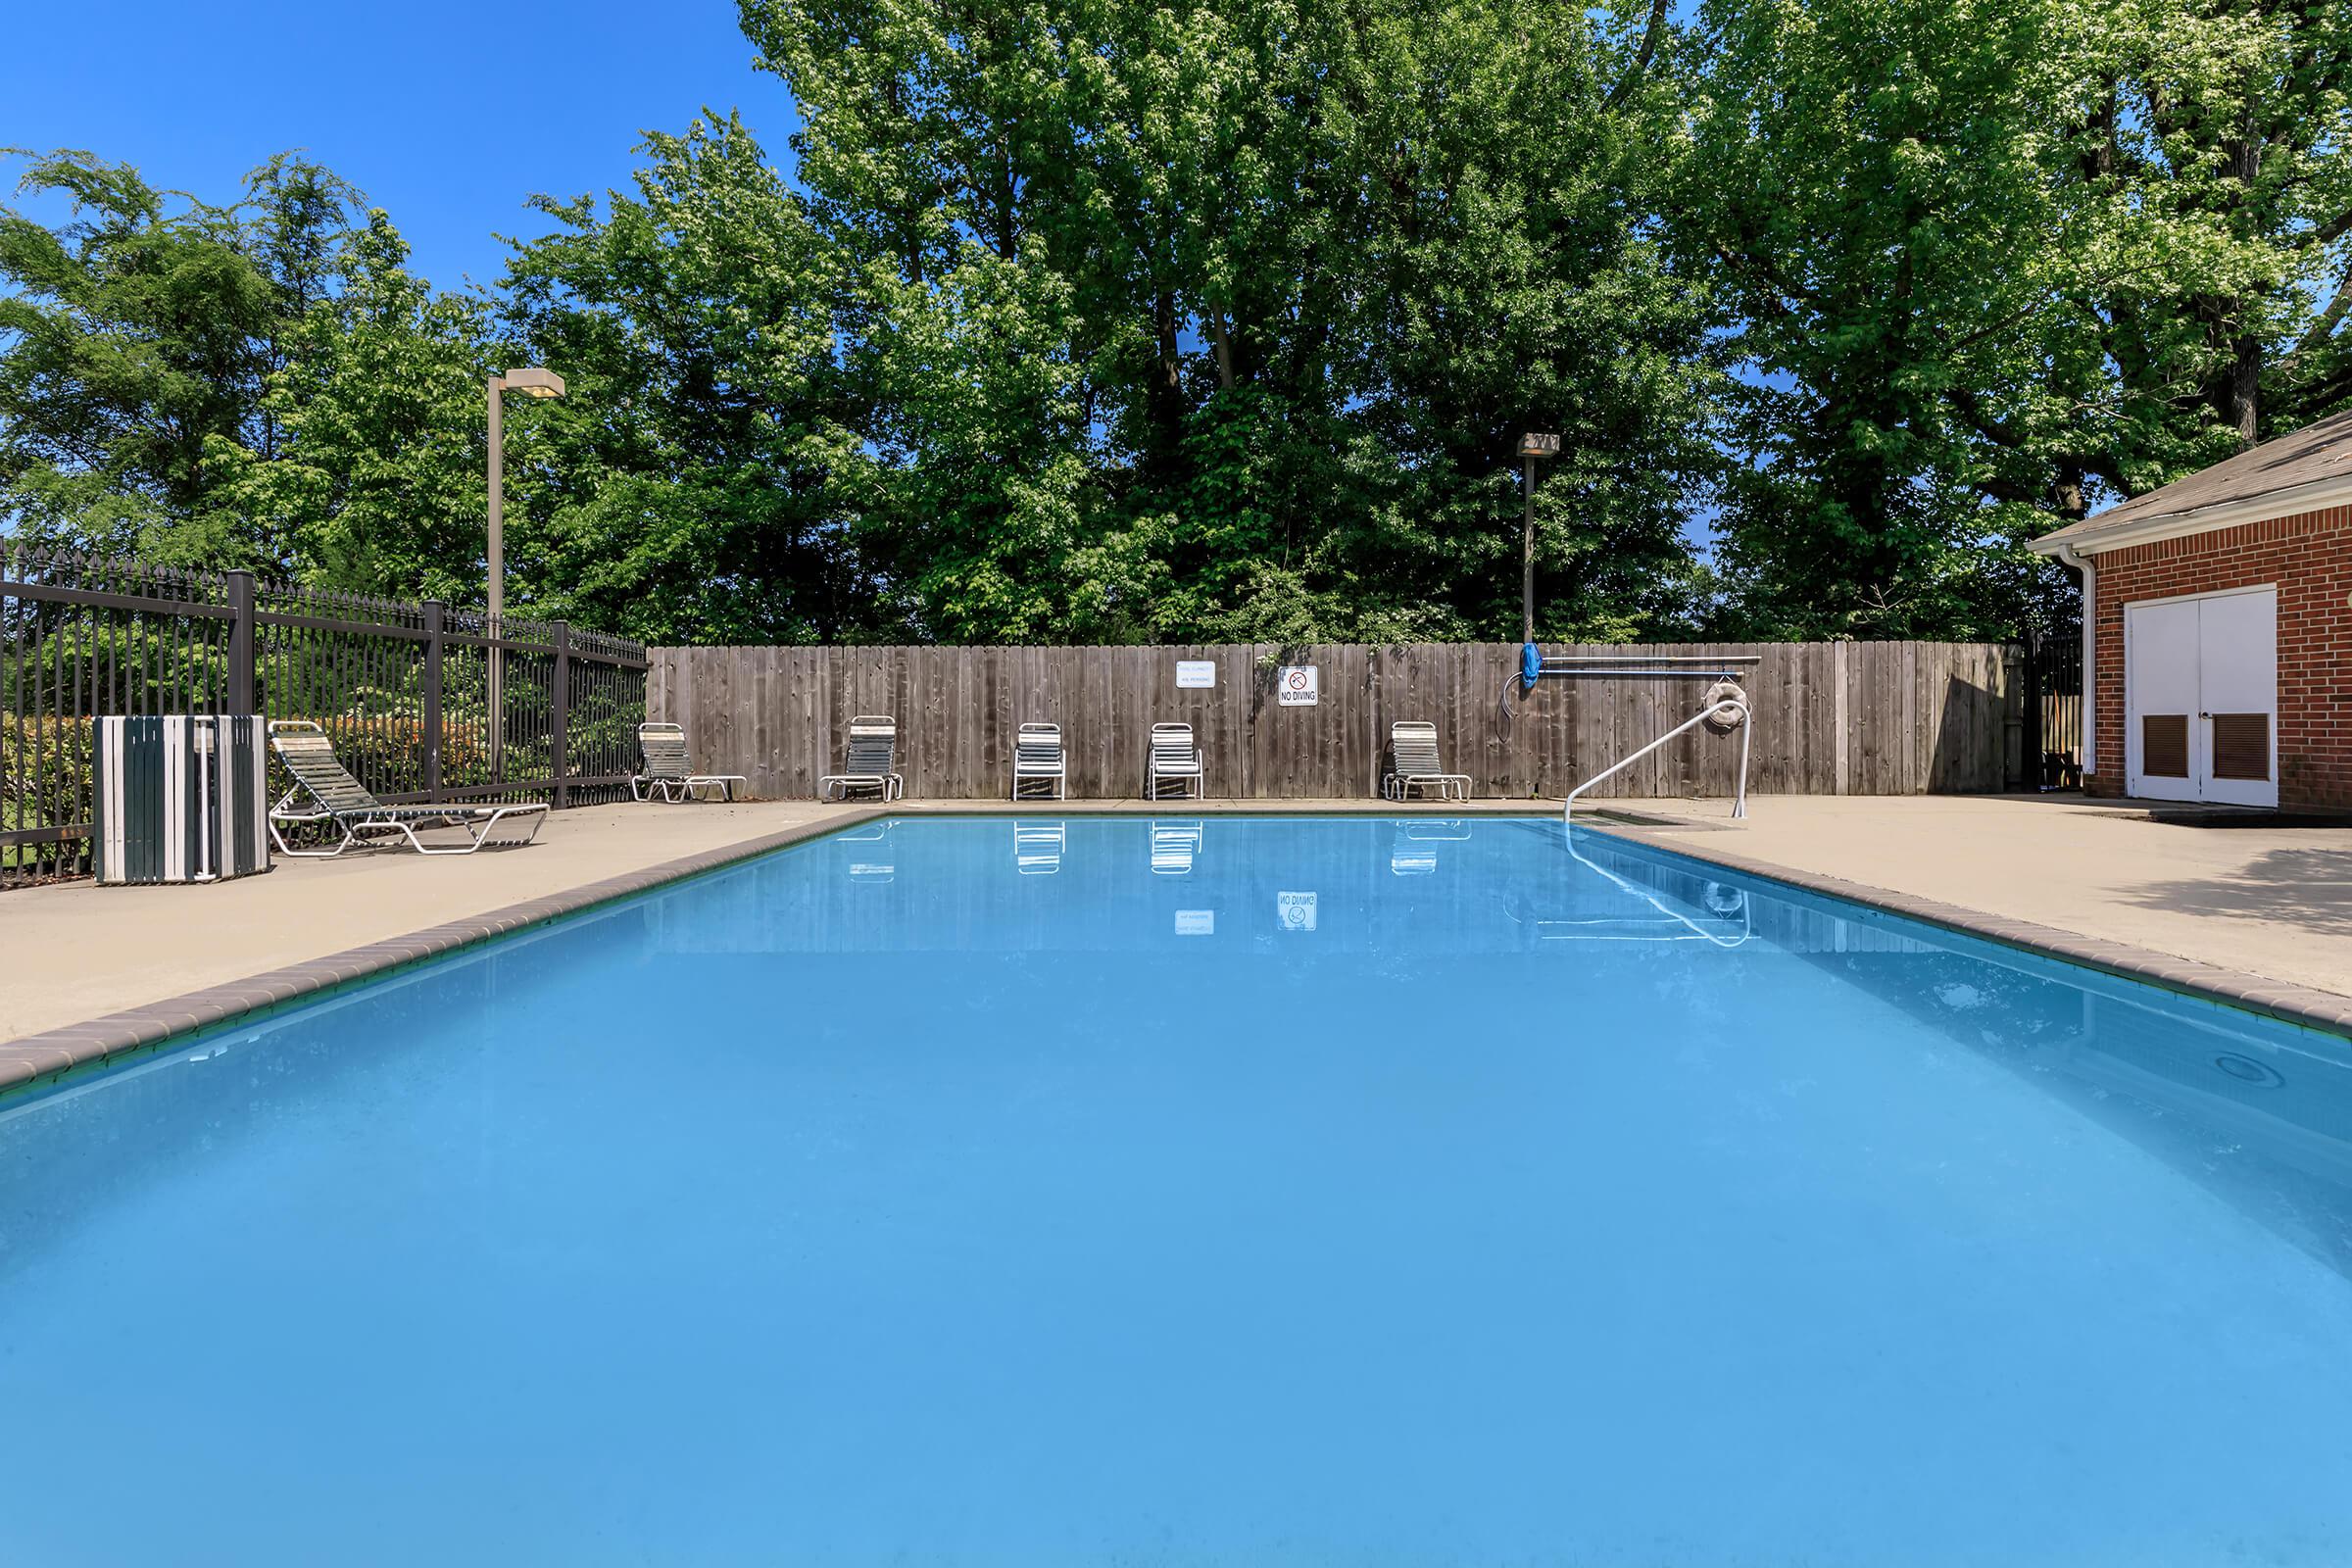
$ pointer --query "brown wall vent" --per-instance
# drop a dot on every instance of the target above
(2241, 746)
(2164, 745)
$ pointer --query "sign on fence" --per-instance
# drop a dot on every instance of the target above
(1193, 673)
(1297, 687)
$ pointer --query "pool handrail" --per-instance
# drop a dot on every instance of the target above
(1735, 705)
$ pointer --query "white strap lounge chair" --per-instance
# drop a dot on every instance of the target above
(666, 774)
(1414, 764)
(1038, 759)
(1174, 760)
(873, 753)
(345, 802)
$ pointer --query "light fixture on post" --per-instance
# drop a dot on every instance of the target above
(1531, 447)
(532, 382)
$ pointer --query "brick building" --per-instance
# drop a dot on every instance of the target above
(2218, 629)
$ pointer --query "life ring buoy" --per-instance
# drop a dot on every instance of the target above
(1728, 719)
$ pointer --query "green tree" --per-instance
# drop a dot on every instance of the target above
(369, 471)
(138, 333)
(707, 475)
(1185, 322)
(1989, 264)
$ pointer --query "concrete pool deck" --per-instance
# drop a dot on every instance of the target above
(2261, 915)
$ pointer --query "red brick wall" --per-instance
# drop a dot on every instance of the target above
(2310, 558)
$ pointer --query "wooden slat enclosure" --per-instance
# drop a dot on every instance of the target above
(1859, 719)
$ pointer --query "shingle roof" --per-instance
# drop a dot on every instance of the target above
(2322, 450)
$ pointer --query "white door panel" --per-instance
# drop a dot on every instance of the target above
(2238, 698)
(2160, 712)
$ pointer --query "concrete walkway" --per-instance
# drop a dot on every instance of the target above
(2273, 903)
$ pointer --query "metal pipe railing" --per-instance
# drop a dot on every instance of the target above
(1746, 725)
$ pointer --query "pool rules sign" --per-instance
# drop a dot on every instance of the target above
(1294, 685)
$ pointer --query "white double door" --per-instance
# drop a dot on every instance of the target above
(2201, 698)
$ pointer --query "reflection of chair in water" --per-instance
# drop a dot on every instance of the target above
(1414, 851)
(1037, 847)
(1173, 845)
(874, 864)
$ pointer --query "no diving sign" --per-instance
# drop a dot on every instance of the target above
(1295, 686)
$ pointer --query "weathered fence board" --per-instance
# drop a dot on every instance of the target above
(1865, 718)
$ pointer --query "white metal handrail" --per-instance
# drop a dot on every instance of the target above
(1730, 704)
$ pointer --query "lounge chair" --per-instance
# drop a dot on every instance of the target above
(873, 753)
(1414, 765)
(1036, 758)
(1174, 760)
(666, 774)
(345, 801)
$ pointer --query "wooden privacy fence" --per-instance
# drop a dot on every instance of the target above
(1858, 718)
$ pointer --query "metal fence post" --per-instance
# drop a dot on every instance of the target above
(560, 714)
(436, 621)
(240, 644)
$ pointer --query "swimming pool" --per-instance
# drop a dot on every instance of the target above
(1194, 1191)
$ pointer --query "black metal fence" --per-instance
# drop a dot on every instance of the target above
(422, 702)
(2054, 708)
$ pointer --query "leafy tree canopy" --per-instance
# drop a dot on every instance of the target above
(1089, 321)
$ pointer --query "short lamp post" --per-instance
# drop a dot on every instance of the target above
(534, 382)
(1531, 447)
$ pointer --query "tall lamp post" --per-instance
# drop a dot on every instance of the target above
(534, 382)
(1531, 447)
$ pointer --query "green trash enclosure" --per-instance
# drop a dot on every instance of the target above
(182, 798)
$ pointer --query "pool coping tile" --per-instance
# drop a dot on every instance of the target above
(52, 1054)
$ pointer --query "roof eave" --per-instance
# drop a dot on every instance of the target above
(2313, 496)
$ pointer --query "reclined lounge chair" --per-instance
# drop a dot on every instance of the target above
(666, 774)
(1414, 764)
(345, 802)
(873, 752)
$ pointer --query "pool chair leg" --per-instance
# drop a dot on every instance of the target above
(283, 848)
(478, 836)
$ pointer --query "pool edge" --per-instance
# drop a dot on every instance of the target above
(2304, 1005)
(51, 1053)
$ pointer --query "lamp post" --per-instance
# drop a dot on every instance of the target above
(1531, 447)
(534, 382)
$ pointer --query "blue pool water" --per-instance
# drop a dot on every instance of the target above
(1234, 1191)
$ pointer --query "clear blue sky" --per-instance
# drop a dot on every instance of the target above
(415, 104)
